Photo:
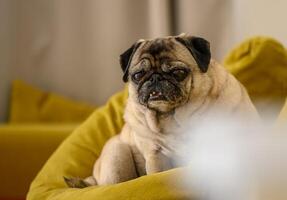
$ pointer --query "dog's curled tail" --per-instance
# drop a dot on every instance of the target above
(74, 182)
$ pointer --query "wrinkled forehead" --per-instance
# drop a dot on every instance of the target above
(162, 50)
(158, 47)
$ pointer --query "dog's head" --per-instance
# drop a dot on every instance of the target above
(160, 71)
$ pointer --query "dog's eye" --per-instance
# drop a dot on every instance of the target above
(138, 76)
(179, 74)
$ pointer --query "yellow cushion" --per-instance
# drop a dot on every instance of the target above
(31, 104)
(260, 64)
(77, 154)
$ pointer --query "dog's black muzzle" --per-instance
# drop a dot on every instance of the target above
(158, 87)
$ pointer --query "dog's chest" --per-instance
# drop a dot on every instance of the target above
(166, 139)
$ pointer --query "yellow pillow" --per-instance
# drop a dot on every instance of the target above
(30, 104)
(260, 64)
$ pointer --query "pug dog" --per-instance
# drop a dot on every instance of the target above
(172, 81)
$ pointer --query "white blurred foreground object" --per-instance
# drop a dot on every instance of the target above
(231, 160)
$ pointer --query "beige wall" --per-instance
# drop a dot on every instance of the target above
(72, 46)
(261, 17)
(225, 23)
(7, 36)
(211, 19)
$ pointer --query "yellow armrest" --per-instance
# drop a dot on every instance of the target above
(23, 151)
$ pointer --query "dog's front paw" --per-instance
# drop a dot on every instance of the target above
(76, 182)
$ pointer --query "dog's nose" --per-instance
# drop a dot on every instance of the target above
(156, 78)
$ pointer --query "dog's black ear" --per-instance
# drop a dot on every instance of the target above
(125, 60)
(199, 48)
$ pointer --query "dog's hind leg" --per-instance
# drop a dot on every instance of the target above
(80, 183)
(116, 163)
